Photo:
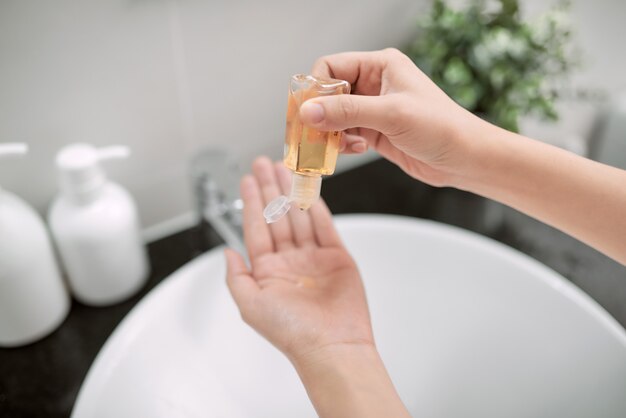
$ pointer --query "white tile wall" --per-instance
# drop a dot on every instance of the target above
(99, 72)
(599, 32)
(168, 77)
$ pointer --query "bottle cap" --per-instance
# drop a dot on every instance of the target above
(305, 190)
(276, 209)
(79, 166)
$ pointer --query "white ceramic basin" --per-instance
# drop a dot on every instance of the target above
(467, 328)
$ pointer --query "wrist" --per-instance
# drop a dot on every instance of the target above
(335, 356)
(349, 380)
(480, 145)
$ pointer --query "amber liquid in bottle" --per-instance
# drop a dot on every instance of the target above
(307, 150)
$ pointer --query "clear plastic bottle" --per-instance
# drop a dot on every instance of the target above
(309, 153)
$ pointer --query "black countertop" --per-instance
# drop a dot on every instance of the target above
(43, 379)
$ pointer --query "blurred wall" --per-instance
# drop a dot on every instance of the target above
(165, 77)
(599, 33)
(168, 77)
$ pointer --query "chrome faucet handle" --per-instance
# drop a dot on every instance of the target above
(236, 212)
(215, 175)
(221, 166)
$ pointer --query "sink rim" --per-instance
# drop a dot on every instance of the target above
(542, 273)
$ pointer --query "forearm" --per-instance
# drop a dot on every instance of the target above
(349, 381)
(581, 197)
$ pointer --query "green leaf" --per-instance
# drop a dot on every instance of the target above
(457, 73)
(493, 61)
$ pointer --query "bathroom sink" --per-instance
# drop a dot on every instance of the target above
(466, 326)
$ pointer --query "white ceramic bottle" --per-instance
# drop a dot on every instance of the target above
(33, 298)
(96, 228)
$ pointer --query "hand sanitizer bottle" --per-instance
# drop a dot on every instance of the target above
(33, 297)
(96, 228)
(309, 153)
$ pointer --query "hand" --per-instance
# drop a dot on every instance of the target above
(398, 111)
(303, 291)
(402, 114)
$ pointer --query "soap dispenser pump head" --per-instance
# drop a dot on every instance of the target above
(79, 166)
(13, 148)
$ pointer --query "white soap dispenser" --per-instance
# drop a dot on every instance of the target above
(33, 297)
(96, 228)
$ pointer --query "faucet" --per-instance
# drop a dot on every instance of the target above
(215, 175)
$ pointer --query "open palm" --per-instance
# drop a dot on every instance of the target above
(303, 291)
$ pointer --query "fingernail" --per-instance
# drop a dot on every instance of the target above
(311, 112)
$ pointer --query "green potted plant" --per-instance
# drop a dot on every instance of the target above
(492, 62)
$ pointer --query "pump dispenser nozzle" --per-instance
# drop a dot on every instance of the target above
(309, 153)
(13, 148)
(79, 166)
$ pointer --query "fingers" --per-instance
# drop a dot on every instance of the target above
(313, 227)
(374, 76)
(265, 174)
(352, 144)
(363, 70)
(241, 285)
(389, 151)
(256, 232)
(325, 232)
(301, 224)
(343, 111)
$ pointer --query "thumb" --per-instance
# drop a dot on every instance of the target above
(343, 111)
